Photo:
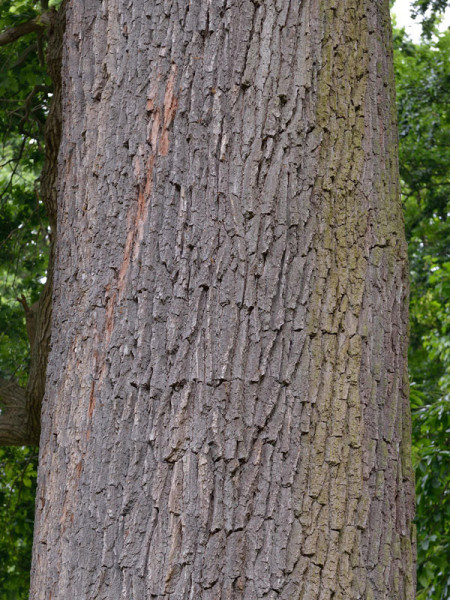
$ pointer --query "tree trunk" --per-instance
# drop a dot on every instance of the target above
(226, 414)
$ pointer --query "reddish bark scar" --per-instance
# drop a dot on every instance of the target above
(170, 108)
(91, 401)
(126, 260)
(155, 130)
(136, 231)
(136, 228)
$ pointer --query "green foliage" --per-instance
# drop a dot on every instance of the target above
(432, 453)
(423, 94)
(23, 259)
(24, 98)
(18, 468)
(429, 11)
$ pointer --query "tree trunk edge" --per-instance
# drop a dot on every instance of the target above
(40, 345)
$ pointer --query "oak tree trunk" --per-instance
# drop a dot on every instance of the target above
(226, 412)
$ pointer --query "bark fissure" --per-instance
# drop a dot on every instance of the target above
(227, 387)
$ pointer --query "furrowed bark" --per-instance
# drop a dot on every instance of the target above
(226, 415)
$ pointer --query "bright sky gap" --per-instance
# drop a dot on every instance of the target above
(402, 12)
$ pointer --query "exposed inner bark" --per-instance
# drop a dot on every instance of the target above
(20, 418)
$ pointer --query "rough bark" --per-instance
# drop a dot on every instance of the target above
(20, 421)
(226, 414)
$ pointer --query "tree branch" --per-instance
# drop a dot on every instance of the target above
(30, 318)
(14, 422)
(11, 392)
(14, 33)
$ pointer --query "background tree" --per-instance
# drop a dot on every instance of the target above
(21, 406)
(25, 92)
